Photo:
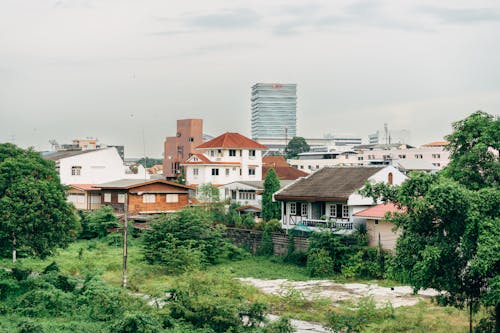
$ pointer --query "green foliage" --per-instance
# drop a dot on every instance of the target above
(319, 263)
(28, 326)
(95, 223)
(214, 301)
(137, 323)
(148, 162)
(270, 210)
(474, 151)
(266, 248)
(208, 193)
(296, 146)
(357, 318)
(185, 240)
(32, 198)
(334, 247)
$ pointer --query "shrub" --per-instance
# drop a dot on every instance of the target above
(319, 263)
(137, 323)
(28, 326)
(95, 223)
(48, 302)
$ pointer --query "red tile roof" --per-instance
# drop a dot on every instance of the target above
(436, 144)
(378, 212)
(85, 187)
(275, 161)
(284, 173)
(231, 140)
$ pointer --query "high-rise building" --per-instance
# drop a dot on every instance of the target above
(180, 147)
(274, 111)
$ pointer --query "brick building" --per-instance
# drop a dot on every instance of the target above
(180, 147)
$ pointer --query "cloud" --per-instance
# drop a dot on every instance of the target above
(463, 15)
(237, 18)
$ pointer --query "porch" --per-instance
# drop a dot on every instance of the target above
(331, 224)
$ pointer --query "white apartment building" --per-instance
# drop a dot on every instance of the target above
(228, 158)
(429, 157)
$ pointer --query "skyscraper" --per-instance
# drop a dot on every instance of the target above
(274, 111)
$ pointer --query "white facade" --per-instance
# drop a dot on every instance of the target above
(223, 166)
(436, 156)
(339, 215)
(94, 167)
(241, 193)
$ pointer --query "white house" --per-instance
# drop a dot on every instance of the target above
(230, 157)
(328, 198)
(91, 166)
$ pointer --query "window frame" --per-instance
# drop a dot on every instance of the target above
(121, 198)
(172, 196)
(345, 211)
(152, 198)
(107, 196)
(293, 208)
(215, 171)
(304, 209)
(76, 170)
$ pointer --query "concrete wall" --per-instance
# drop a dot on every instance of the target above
(388, 238)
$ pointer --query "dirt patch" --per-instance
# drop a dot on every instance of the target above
(342, 292)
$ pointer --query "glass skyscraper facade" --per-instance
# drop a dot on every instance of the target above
(274, 111)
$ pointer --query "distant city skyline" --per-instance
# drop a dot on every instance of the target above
(124, 72)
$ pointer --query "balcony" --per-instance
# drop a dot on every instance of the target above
(333, 224)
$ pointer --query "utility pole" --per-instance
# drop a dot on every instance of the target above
(286, 141)
(125, 225)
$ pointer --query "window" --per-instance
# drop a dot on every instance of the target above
(212, 153)
(293, 208)
(436, 156)
(190, 139)
(195, 172)
(232, 152)
(241, 172)
(171, 198)
(360, 158)
(121, 198)
(418, 156)
(251, 153)
(76, 170)
(233, 194)
(76, 198)
(402, 156)
(246, 195)
(148, 198)
(333, 210)
(107, 197)
(389, 178)
(227, 172)
(345, 211)
(215, 172)
(219, 152)
(251, 171)
(303, 210)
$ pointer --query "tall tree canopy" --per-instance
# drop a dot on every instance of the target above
(270, 209)
(296, 146)
(474, 146)
(35, 217)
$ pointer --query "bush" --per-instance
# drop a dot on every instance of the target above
(319, 263)
(50, 302)
(95, 223)
(28, 326)
(188, 233)
(137, 323)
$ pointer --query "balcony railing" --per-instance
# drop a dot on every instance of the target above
(332, 223)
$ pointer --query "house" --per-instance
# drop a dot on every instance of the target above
(247, 193)
(84, 196)
(380, 231)
(91, 166)
(328, 198)
(144, 197)
(227, 158)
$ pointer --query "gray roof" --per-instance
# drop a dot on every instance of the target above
(329, 183)
(58, 155)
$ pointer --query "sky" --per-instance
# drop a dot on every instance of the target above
(124, 71)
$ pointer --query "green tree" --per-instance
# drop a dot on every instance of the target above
(95, 223)
(35, 217)
(474, 151)
(296, 146)
(185, 240)
(270, 210)
(450, 239)
(208, 193)
(148, 162)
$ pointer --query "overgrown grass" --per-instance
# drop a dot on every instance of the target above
(87, 257)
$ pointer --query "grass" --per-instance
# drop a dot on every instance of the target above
(91, 257)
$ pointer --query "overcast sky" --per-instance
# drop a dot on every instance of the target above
(117, 69)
